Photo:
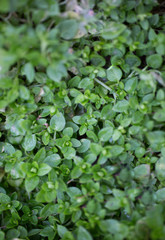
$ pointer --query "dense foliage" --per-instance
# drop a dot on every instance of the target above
(82, 113)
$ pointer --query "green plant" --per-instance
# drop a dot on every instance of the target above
(82, 102)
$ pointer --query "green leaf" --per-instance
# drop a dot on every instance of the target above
(29, 72)
(97, 60)
(114, 227)
(48, 232)
(68, 131)
(82, 130)
(114, 74)
(5, 82)
(131, 17)
(61, 230)
(4, 199)
(156, 139)
(2, 235)
(86, 83)
(29, 142)
(24, 92)
(159, 167)
(33, 232)
(31, 183)
(43, 169)
(86, 70)
(112, 30)
(48, 210)
(68, 29)
(95, 148)
(12, 234)
(116, 135)
(132, 60)
(12, 95)
(159, 116)
(76, 172)
(121, 106)
(134, 130)
(57, 122)
(23, 232)
(142, 172)
(76, 216)
(53, 160)
(40, 155)
(160, 95)
(76, 143)
(154, 61)
(73, 192)
(107, 113)
(139, 152)
(45, 138)
(160, 194)
(131, 85)
(40, 196)
(113, 204)
(7, 59)
(92, 135)
(85, 144)
(83, 234)
(56, 72)
(116, 150)
(69, 152)
(105, 134)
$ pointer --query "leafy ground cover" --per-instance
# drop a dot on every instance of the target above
(82, 113)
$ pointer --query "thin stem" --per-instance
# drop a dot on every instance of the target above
(9, 16)
(71, 180)
(105, 86)
(131, 74)
(64, 2)
(51, 24)
(5, 20)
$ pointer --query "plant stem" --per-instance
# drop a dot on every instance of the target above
(101, 83)
(105, 86)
